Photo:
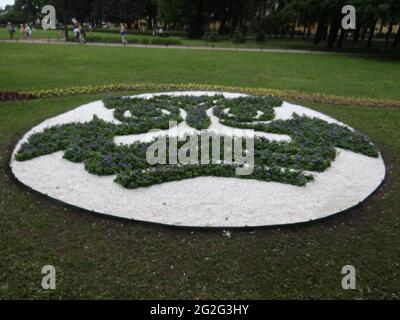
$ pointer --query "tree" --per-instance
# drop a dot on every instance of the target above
(265, 17)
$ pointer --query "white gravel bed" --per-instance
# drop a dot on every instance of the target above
(205, 201)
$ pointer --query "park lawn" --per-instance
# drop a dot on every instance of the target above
(113, 36)
(94, 36)
(31, 67)
(37, 34)
(105, 258)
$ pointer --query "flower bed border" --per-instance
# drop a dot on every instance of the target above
(16, 96)
(284, 94)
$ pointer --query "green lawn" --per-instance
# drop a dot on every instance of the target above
(104, 258)
(112, 36)
(30, 67)
(99, 257)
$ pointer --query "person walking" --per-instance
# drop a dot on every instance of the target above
(10, 30)
(22, 30)
(28, 32)
(123, 33)
(82, 34)
(77, 34)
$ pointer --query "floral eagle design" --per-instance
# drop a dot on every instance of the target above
(312, 147)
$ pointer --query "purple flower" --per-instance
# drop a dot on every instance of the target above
(122, 164)
(106, 158)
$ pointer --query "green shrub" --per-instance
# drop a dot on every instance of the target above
(238, 37)
(261, 37)
(212, 36)
(166, 42)
(133, 40)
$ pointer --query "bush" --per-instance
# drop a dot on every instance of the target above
(132, 40)
(238, 37)
(261, 37)
(212, 36)
(166, 42)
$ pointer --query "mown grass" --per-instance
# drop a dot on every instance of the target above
(113, 36)
(99, 257)
(104, 258)
(30, 67)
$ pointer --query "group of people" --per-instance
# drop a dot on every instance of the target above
(158, 31)
(79, 32)
(124, 33)
(25, 29)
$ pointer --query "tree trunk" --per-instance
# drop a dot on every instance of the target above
(283, 32)
(371, 34)
(381, 28)
(388, 34)
(65, 31)
(65, 26)
(396, 40)
(293, 32)
(224, 17)
(325, 33)
(196, 26)
(364, 33)
(356, 34)
(308, 32)
(320, 29)
(342, 37)
(333, 32)
(64, 8)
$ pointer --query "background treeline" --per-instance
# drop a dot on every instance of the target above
(320, 19)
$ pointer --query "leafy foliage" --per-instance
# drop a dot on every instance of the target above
(238, 37)
(159, 111)
(285, 94)
(212, 36)
(236, 18)
(249, 109)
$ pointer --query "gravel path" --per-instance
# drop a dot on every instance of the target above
(182, 47)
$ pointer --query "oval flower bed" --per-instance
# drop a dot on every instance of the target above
(307, 166)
